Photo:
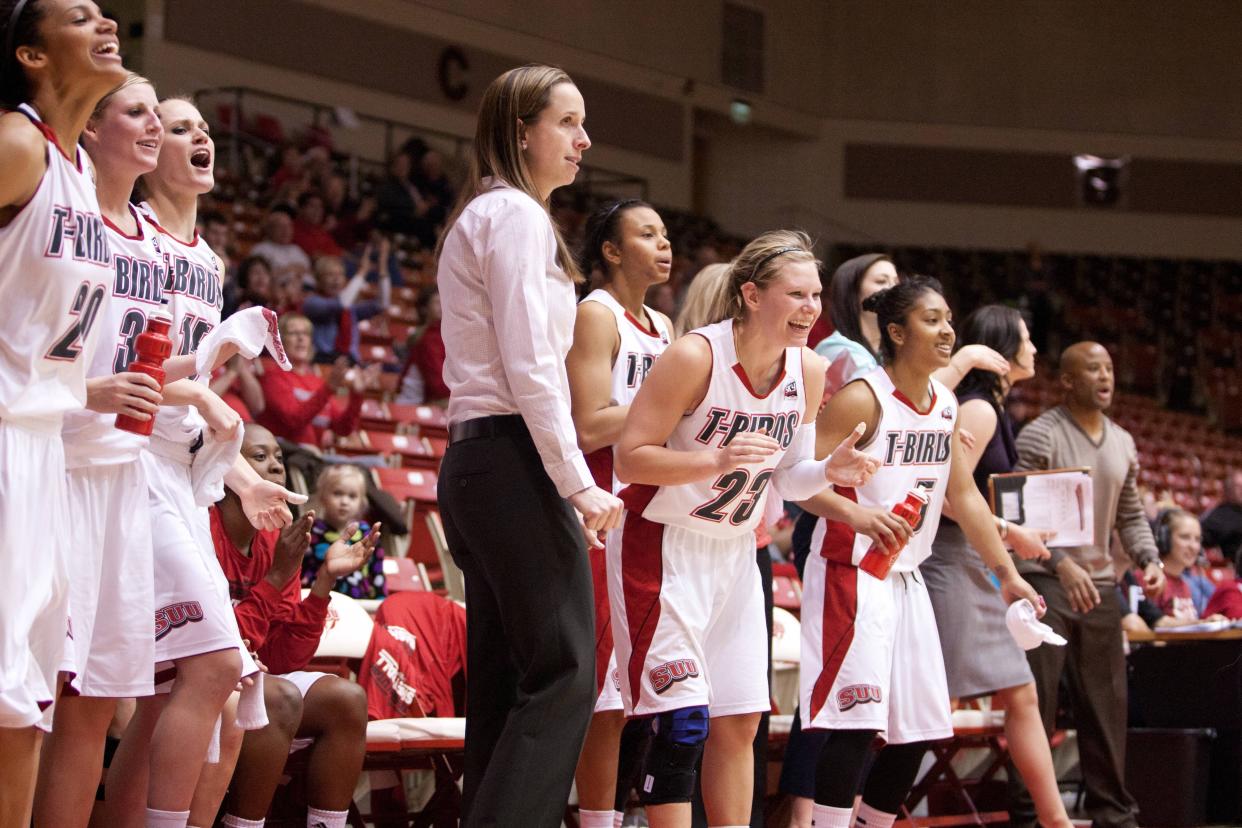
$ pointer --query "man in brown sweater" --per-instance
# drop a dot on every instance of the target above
(1079, 585)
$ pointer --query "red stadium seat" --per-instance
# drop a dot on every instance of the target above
(413, 452)
(417, 486)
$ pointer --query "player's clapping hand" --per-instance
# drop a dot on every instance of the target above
(344, 557)
(265, 504)
(847, 466)
(290, 551)
(747, 447)
(129, 392)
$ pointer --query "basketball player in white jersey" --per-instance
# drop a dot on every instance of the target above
(112, 650)
(871, 660)
(58, 58)
(616, 342)
(726, 410)
(195, 629)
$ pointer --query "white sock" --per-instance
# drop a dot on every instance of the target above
(596, 819)
(167, 819)
(231, 821)
(822, 816)
(316, 818)
(869, 817)
(618, 817)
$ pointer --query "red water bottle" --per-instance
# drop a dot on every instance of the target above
(878, 561)
(153, 347)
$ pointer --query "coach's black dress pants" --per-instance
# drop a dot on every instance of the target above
(530, 673)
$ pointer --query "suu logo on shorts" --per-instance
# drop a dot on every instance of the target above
(669, 673)
(780, 427)
(856, 694)
(177, 615)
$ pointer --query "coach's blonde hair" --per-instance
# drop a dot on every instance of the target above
(512, 103)
(707, 299)
(760, 261)
(131, 79)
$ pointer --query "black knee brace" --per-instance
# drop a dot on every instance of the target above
(893, 776)
(839, 767)
(668, 769)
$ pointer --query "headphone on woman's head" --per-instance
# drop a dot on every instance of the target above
(1164, 531)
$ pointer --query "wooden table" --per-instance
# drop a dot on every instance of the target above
(1170, 637)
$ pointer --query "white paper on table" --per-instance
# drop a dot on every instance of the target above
(1059, 500)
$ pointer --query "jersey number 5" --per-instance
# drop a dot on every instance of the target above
(86, 304)
(732, 485)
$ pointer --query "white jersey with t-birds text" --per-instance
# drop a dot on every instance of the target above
(55, 280)
(194, 293)
(915, 449)
(137, 291)
(639, 348)
(729, 504)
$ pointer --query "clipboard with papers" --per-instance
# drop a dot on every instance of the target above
(1056, 500)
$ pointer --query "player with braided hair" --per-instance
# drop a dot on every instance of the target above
(616, 342)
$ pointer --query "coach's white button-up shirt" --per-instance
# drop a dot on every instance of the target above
(508, 323)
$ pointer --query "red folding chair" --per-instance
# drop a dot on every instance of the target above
(413, 451)
(430, 420)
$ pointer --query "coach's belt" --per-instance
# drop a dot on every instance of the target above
(506, 424)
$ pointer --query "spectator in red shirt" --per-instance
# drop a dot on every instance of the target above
(300, 405)
(309, 232)
(427, 353)
(235, 383)
(284, 629)
(1227, 599)
(255, 285)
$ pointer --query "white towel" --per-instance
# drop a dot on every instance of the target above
(211, 463)
(251, 711)
(252, 330)
(1027, 629)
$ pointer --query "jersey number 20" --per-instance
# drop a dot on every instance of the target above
(86, 304)
(733, 485)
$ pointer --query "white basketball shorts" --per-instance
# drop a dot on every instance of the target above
(871, 654)
(33, 546)
(193, 612)
(687, 620)
(111, 582)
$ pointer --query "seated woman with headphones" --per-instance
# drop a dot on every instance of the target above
(1186, 593)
